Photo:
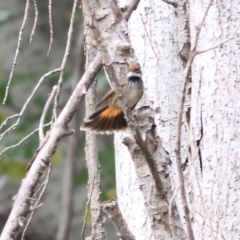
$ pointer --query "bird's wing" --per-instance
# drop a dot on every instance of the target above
(106, 97)
(109, 95)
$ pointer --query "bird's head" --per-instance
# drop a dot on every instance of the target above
(134, 71)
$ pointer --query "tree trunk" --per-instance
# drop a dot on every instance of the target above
(215, 123)
(209, 133)
(152, 31)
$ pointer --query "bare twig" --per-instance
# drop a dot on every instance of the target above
(36, 205)
(91, 150)
(72, 149)
(170, 212)
(179, 126)
(19, 115)
(219, 44)
(24, 139)
(50, 25)
(42, 119)
(130, 8)
(66, 54)
(87, 208)
(35, 21)
(17, 51)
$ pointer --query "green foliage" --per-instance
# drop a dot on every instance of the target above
(13, 169)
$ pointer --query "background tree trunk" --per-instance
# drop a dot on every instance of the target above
(210, 143)
(215, 123)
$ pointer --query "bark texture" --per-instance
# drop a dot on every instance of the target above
(153, 35)
(91, 148)
(215, 123)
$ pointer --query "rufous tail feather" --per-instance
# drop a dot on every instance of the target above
(106, 120)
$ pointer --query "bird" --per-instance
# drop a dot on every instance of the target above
(110, 118)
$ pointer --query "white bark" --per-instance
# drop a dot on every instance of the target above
(154, 21)
(215, 123)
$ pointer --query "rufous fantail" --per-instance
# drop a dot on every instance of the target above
(111, 117)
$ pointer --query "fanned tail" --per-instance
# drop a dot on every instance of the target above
(106, 120)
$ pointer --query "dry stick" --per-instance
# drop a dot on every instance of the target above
(86, 210)
(219, 44)
(36, 205)
(19, 115)
(65, 57)
(170, 213)
(72, 148)
(91, 152)
(206, 217)
(17, 51)
(42, 119)
(179, 127)
(35, 21)
(50, 25)
(178, 148)
(23, 139)
(149, 159)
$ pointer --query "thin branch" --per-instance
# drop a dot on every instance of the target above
(72, 151)
(50, 25)
(179, 126)
(219, 44)
(132, 5)
(19, 115)
(23, 139)
(17, 51)
(91, 155)
(199, 28)
(35, 21)
(44, 113)
(37, 205)
(66, 54)
(170, 213)
(87, 209)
